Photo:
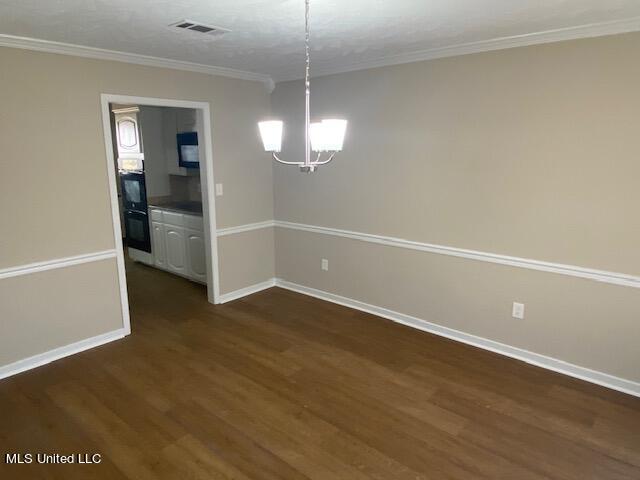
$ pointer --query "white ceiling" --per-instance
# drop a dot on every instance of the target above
(267, 35)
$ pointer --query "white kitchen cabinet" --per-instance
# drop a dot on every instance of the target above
(128, 141)
(159, 249)
(196, 267)
(178, 243)
(176, 249)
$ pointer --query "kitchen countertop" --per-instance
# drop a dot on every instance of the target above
(192, 208)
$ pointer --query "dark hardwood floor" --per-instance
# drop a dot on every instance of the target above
(283, 386)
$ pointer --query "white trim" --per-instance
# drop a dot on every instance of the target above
(245, 228)
(614, 278)
(115, 213)
(60, 352)
(535, 38)
(55, 263)
(243, 292)
(560, 366)
(207, 184)
(27, 43)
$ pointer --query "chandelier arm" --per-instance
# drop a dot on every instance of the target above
(324, 162)
(275, 157)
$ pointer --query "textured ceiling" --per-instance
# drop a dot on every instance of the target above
(267, 35)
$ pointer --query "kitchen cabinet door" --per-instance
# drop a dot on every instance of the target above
(176, 251)
(128, 134)
(159, 249)
(196, 259)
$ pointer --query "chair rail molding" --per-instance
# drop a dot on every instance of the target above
(56, 263)
(222, 232)
(614, 278)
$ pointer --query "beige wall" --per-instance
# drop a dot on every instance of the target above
(530, 152)
(46, 310)
(54, 194)
(247, 255)
(52, 140)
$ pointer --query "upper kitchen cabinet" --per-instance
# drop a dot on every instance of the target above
(128, 140)
(175, 121)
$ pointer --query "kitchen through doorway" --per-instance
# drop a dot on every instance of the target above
(161, 185)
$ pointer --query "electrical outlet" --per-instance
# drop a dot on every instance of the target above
(324, 264)
(219, 191)
(518, 310)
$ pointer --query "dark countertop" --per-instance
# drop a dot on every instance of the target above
(192, 208)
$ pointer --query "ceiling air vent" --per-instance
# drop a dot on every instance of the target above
(199, 28)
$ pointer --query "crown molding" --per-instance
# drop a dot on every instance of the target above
(549, 36)
(48, 46)
(328, 68)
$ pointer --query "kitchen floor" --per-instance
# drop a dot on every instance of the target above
(283, 386)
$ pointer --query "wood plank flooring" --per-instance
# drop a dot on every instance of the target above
(283, 386)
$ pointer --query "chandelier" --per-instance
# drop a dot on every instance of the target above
(324, 137)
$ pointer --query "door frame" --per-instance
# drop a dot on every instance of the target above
(203, 122)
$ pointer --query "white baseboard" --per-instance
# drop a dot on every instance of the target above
(60, 352)
(243, 292)
(592, 376)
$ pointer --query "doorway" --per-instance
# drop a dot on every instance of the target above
(159, 217)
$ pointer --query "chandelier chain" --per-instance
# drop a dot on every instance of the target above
(307, 83)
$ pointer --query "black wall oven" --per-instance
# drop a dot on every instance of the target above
(134, 204)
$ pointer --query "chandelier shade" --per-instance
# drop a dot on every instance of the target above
(271, 133)
(327, 135)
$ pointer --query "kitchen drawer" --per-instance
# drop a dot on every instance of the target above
(194, 222)
(156, 215)
(173, 218)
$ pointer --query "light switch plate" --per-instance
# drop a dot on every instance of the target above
(324, 264)
(219, 190)
(518, 310)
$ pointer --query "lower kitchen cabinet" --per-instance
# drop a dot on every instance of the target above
(196, 266)
(178, 244)
(176, 249)
(158, 245)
